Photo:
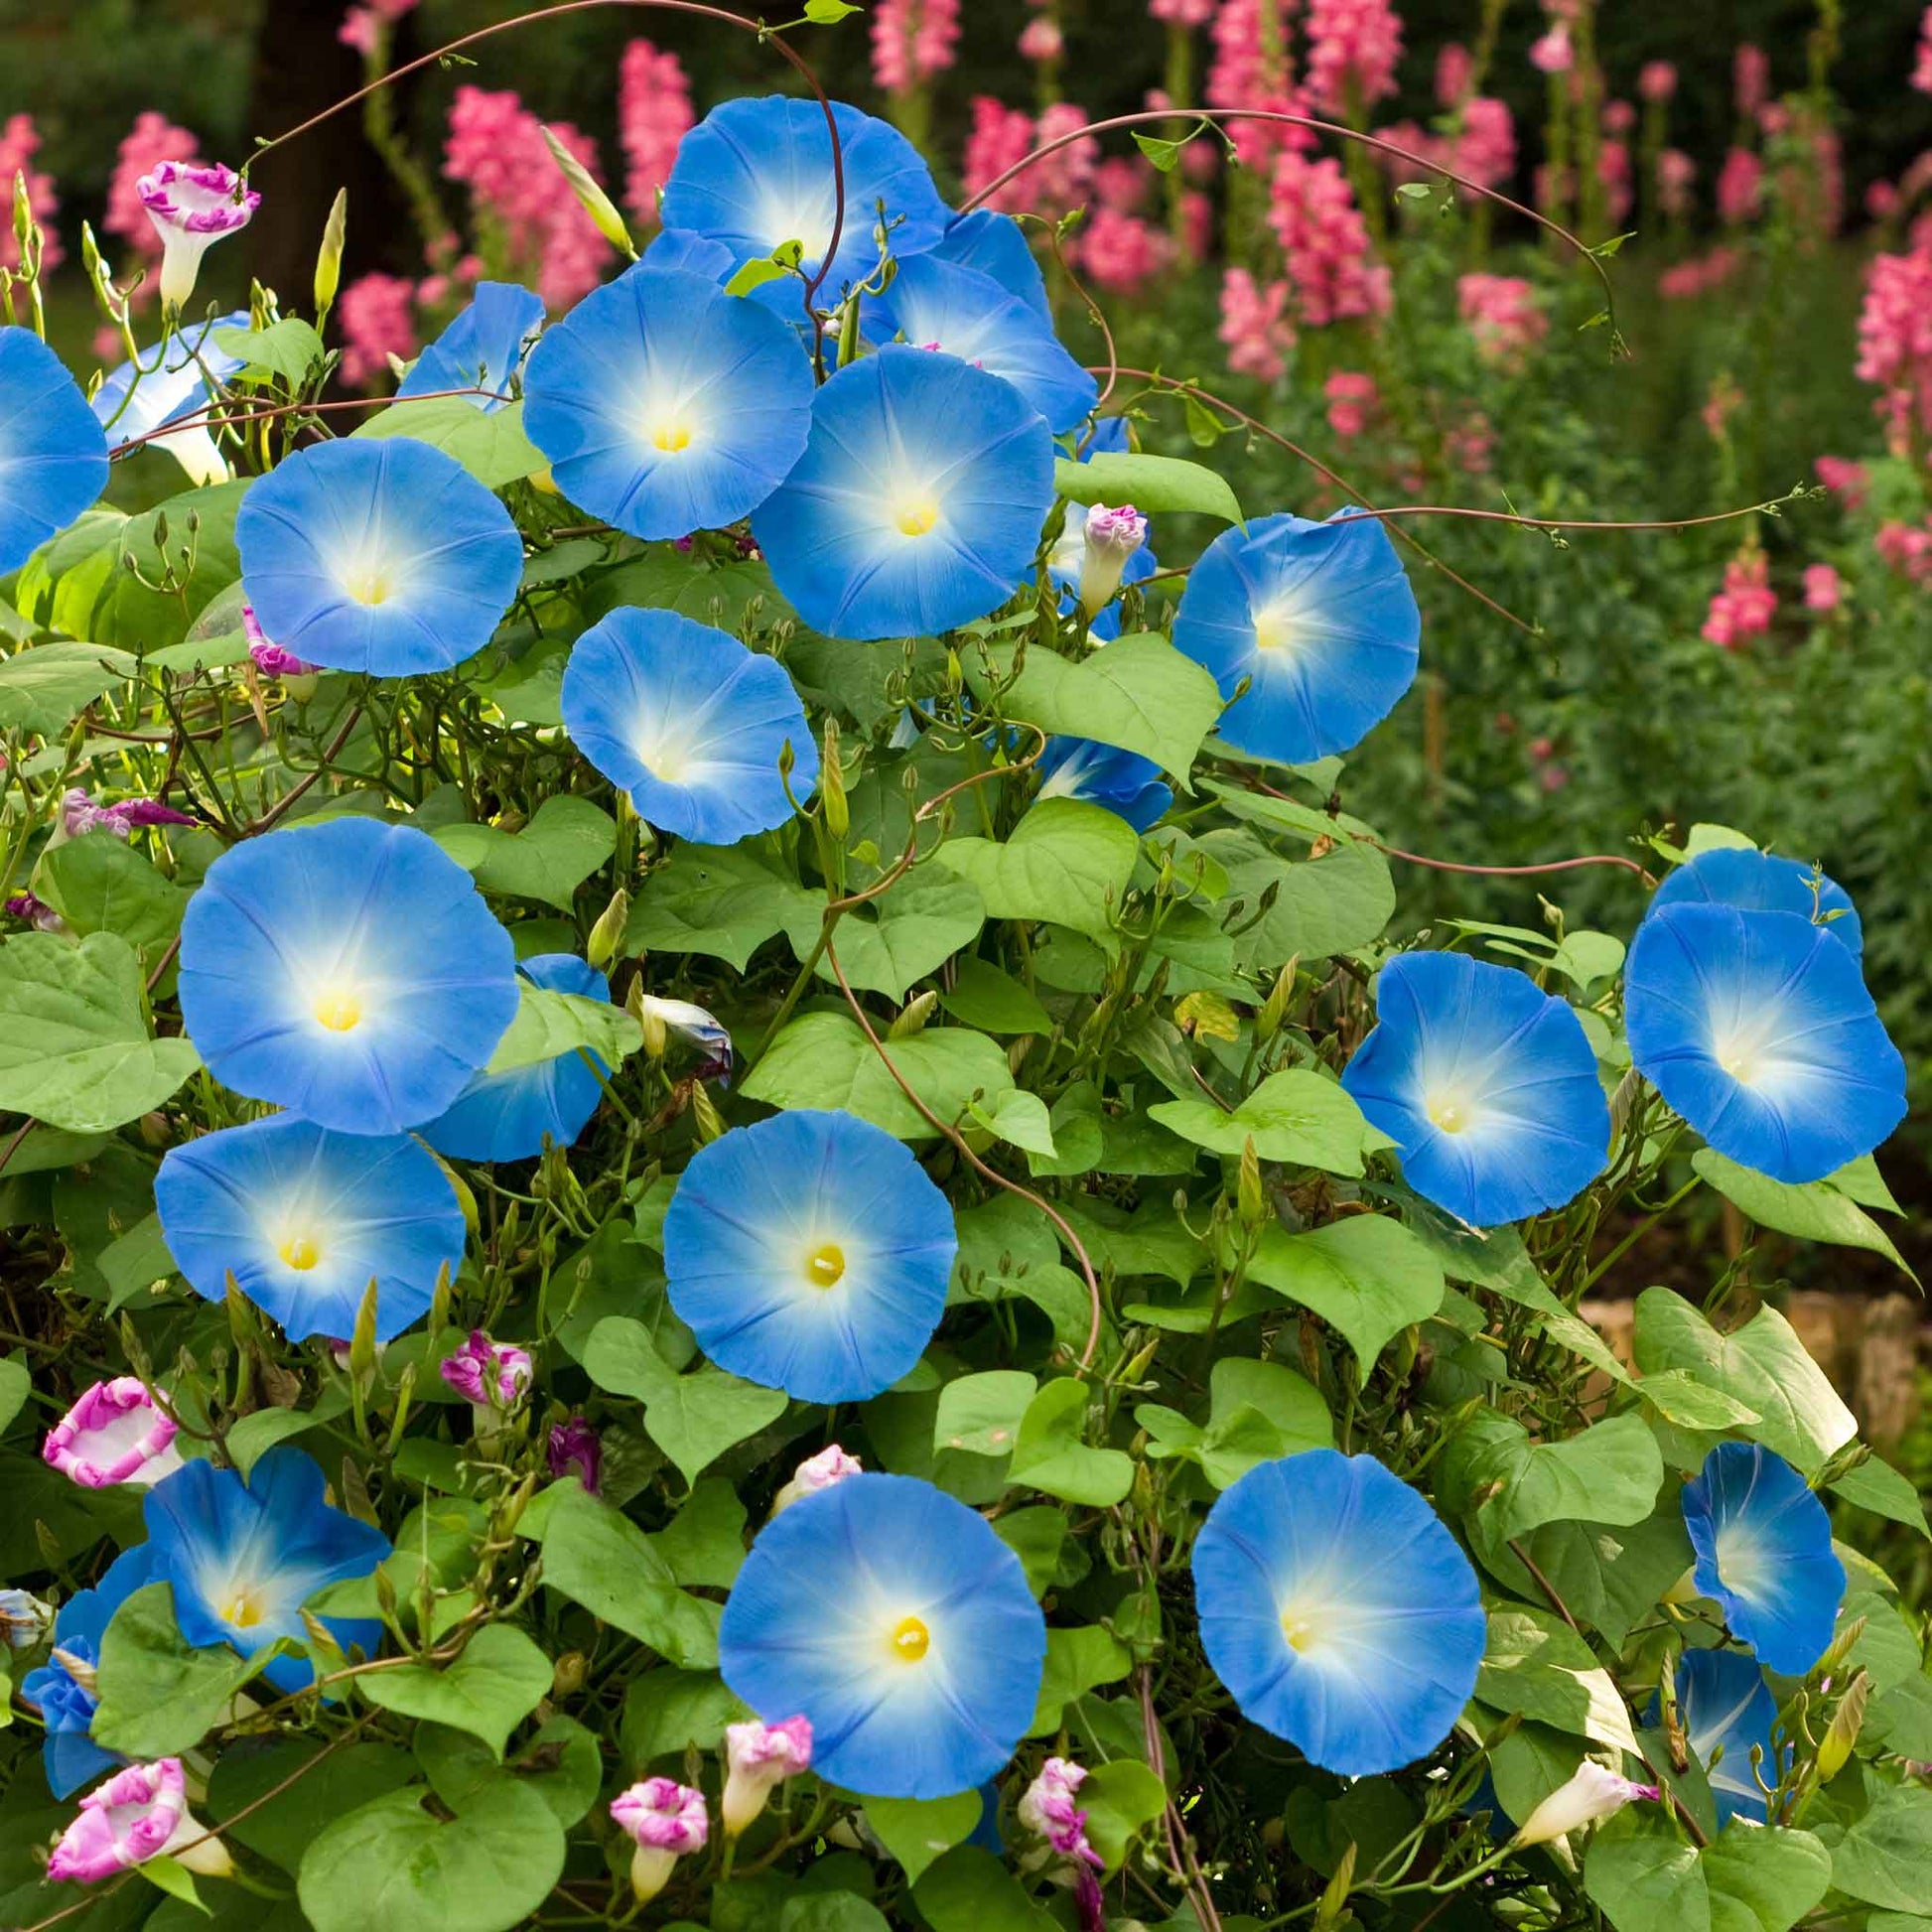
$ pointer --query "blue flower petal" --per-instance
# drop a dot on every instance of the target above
(667, 406)
(134, 401)
(757, 174)
(349, 972)
(1318, 615)
(243, 1557)
(1758, 1029)
(680, 248)
(1764, 1546)
(383, 556)
(919, 503)
(1728, 1711)
(936, 304)
(69, 1754)
(1338, 1611)
(1759, 881)
(810, 1253)
(305, 1219)
(52, 452)
(996, 245)
(895, 1619)
(1486, 1084)
(688, 721)
(508, 1116)
(1103, 775)
(482, 348)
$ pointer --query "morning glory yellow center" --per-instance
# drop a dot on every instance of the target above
(300, 1251)
(368, 584)
(910, 1640)
(825, 1265)
(338, 1008)
(243, 1609)
(1304, 1627)
(1273, 630)
(916, 516)
(1451, 1115)
(671, 437)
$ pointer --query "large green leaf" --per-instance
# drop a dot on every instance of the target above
(1140, 694)
(666, 1710)
(1536, 1664)
(970, 1890)
(722, 901)
(549, 1024)
(1368, 1277)
(1815, 1213)
(487, 1691)
(901, 937)
(1885, 1858)
(1750, 1879)
(1298, 1117)
(74, 1049)
(490, 444)
(597, 1557)
(567, 839)
(915, 1831)
(1050, 1455)
(561, 1763)
(1609, 1473)
(159, 1695)
(1150, 482)
(45, 687)
(693, 1417)
(389, 1865)
(1763, 1365)
(1335, 904)
(326, 1783)
(289, 348)
(1077, 1661)
(825, 1059)
(98, 884)
(1067, 862)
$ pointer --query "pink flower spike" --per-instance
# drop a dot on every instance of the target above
(114, 1433)
(1552, 53)
(1823, 588)
(190, 205)
(757, 1757)
(138, 1814)
(1657, 80)
(666, 1820)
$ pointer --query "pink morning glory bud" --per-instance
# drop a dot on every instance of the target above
(1112, 536)
(758, 1757)
(666, 1820)
(36, 911)
(491, 1376)
(192, 204)
(271, 661)
(574, 1449)
(114, 1433)
(1592, 1794)
(1049, 1810)
(24, 1619)
(138, 1814)
(816, 1472)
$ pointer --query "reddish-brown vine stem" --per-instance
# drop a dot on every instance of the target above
(1516, 872)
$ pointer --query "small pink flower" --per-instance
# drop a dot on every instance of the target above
(1923, 73)
(1751, 77)
(1181, 13)
(757, 1757)
(1255, 325)
(1110, 538)
(666, 1820)
(1040, 39)
(1676, 171)
(1331, 270)
(1743, 608)
(1049, 1810)
(817, 1473)
(1504, 316)
(378, 317)
(1454, 66)
(114, 1433)
(1351, 395)
(1823, 588)
(913, 42)
(574, 1449)
(1353, 50)
(191, 204)
(138, 1814)
(1844, 478)
(491, 1376)
(654, 116)
(1740, 184)
(1657, 80)
(1552, 53)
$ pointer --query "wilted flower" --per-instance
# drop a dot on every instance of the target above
(270, 658)
(817, 1473)
(137, 1815)
(1592, 1793)
(1047, 1809)
(36, 911)
(574, 1449)
(114, 1433)
(758, 1756)
(666, 1820)
(190, 205)
(80, 815)
(491, 1376)
(24, 1619)
(704, 1030)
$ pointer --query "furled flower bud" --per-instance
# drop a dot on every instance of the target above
(816, 1472)
(24, 1619)
(1112, 536)
(114, 1433)
(491, 1376)
(574, 1449)
(698, 1027)
(1049, 1810)
(271, 661)
(137, 1815)
(35, 913)
(190, 205)
(664, 1820)
(1592, 1794)
(758, 1757)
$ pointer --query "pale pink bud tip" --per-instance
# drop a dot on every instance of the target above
(489, 1375)
(758, 1756)
(817, 1473)
(1123, 530)
(661, 1815)
(114, 1433)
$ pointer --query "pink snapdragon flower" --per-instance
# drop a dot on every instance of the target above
(1353, 50)
(1751, 72)
(379, 321)
(913, 42)
(1040, 39)
(1454, 68)
(491, 1376)
(1331, 270)
(1682, 281)
(1657, 80)
(573, 1449)
(114, 1433)
(1845, 478)
(191, 204)
(1743, 608)
(1062, 179)
(758, 1758)
(140, 1813)
(20, 140)
(1048, 1811)
(1485, 149)
(1181, 13)
(1351, 395)
(1895, 333)
(1823, 588)
(654, 114)
(1613, 171)
(364, 27)
(1252, 68)
(1741, 187)
(666, 1820)
(1552, 52)
(831, 1464)
(999, 138)
(1255, 328)
(1120, 252)
(1676, 172)
(1906, 549)
(150, 141)
(1922, 71)
(1504, 316)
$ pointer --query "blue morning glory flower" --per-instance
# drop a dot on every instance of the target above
(688, 721)
(1103, 775)
(810, 1253)
(680, 248)
(667, 406)
(1764, 1546)
(1759, 881)
(170, 383)
(1486, 1084)
(897, 1622)
(1318, 616)
(941, 305)
(919, 503)
(482, 348)
(66, 1702)
(52, 452)
(305, 1219)
(382, 556)
(508, 1116)
(996, 245)
(349, 972)
(243, 1557)
(1758, 1029)
(757, 174)
(1338, 1611)
(1728, 1711)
